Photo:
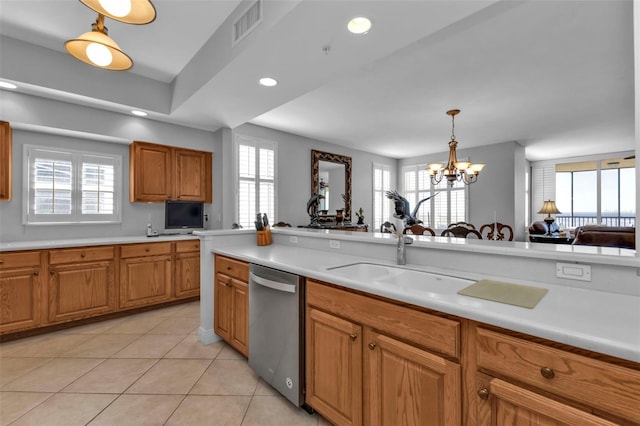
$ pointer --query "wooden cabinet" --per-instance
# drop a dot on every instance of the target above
(81, 282)
(159, 172)
(231, 302)
(6, 162)
(535, 384)
(361, 348)
(192, 175)
(145, 274)
(150, 172)
(187, 269)
(21, 291)
(334, 367)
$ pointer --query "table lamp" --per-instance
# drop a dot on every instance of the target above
(549, 207)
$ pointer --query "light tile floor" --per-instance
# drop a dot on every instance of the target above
(144, 369)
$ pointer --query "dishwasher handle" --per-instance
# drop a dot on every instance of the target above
(289, 288)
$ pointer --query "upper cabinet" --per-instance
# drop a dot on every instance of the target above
(6, 141)
(159, 172)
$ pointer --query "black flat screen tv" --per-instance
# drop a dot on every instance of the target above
(183, 214)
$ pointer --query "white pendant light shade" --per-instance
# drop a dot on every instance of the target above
(98, 49)
(128, 11)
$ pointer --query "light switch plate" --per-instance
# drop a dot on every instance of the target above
(573, 271)
(334, 244)
(293, 239)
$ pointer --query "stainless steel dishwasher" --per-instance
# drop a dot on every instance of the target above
(276, 330)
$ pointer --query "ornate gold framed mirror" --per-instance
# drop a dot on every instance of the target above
(334, 172)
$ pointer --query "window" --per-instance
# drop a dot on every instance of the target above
(256, 177)
(381, 204)
(448, 206)
(596, 192)
(71, 186)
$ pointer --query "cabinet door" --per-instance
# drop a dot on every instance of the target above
(145, 280)
(502, 404)
(187, 275)
(334, 367)
(150, 172)
(6, 141)
(20, 299)
(191, 175)
(240, 315)
(223, 306)
(405, 385)
(80, 290)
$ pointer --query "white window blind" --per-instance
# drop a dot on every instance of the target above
(448, 206)
(66, 186)
(256, 177)
(381, 204)
(543, 187)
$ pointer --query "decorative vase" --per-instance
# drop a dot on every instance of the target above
(339, 216)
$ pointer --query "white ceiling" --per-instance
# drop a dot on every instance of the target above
(555, 76)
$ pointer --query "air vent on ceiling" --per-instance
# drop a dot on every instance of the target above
(247, 22)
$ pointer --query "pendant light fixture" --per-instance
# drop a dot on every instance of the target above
(454, 170)
(136, 12)
(96, 47)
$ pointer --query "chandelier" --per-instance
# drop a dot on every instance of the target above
(454, 170)
(96, 47)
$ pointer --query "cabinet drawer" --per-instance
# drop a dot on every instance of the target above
(140, 250)
(585, 380)
(187, 246)
(21, 259)
(234, 268)
(428, 331)
(83, 254)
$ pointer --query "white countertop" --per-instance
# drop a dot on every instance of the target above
(603, 322)
(78, 242)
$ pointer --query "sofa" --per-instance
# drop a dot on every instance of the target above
(606, 236)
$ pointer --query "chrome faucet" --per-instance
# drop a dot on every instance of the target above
(403, 240)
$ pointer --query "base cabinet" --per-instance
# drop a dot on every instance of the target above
(505, 404)
(357, 375)
(145, 274)
(81, 283)
(334, 367)
(21, 291)
(187, 269)
(231, 303)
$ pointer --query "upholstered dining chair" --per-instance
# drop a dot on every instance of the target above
(463, 224)
(461, 232)
(504, 232)
(281, 225)
(419, 230)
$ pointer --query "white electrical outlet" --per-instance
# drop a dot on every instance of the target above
(334, 244)
(573, 271)
(293, 239)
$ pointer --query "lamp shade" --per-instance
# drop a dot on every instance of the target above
(98, 49)
(549, 207)
(137, 12)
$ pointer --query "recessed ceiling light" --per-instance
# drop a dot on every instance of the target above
(7, 85)
(268, 81)
(139, 113)
(359, 25)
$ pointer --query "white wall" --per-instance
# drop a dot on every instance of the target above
(495, 191)
(53, 123)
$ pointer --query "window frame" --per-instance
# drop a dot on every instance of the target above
(258, 144)
(77, 159)
(383, 198)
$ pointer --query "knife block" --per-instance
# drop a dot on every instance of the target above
(264, 237)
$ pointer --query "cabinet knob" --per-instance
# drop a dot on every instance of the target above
(36, 272)
(147, 249)
(82, 255)
(547, 373)
(483, 393)
(1, 261)
(353, 336)
(52, 272)
(372, 345)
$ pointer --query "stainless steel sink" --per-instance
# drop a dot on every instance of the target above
(398, 276)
